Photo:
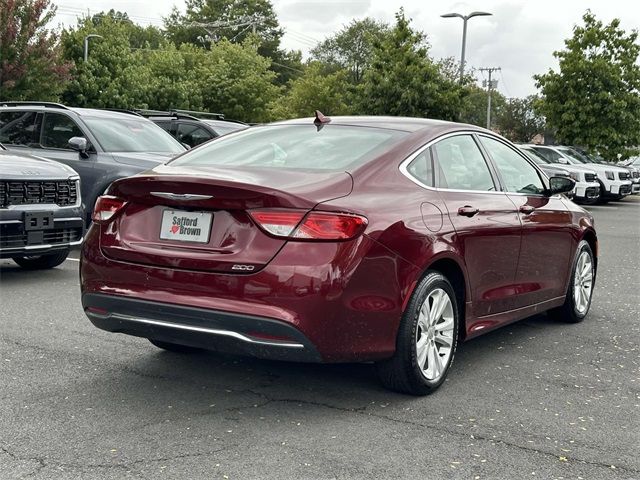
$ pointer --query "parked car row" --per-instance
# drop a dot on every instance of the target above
(596, 180)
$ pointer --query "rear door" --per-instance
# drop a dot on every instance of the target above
(547, 235)
(485, 220)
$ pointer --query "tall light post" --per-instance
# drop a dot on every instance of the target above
(465, 19)
(86, 44)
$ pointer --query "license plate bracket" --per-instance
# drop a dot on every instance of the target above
(37, 221)
(186, 226)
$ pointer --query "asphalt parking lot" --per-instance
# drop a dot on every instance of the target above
(536, 399)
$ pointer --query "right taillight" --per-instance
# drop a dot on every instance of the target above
(106, 208)
(318, 226)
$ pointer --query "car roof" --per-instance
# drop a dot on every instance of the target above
(83, 112)
(409, 124)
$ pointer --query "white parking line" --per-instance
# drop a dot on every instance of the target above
(73, 259)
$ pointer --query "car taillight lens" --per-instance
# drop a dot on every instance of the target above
(296, 225)
(106, 208)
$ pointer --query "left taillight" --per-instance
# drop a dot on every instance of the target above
(314, 225)
(106, 208)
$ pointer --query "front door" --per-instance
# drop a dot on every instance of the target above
(486, 223)
(547, 236)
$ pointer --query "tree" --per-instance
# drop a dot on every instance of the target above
(115, 75)
(518, 121)
(207, 21)
(30, 58)
(474, 106)
(235, 79)
(351, 48)
(316, 90)
(593, 100)
(403, 80)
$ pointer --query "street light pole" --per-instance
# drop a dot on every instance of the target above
(465, 19)
(86, 44)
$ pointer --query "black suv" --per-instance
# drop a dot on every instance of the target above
(192, 128)
(40, 214)
(101, 145)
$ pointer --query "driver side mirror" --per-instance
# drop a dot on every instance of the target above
(80, 145)
(560, 185)
(564, 161)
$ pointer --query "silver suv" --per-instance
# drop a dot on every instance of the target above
(101, 145)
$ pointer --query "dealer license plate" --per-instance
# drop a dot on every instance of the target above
(186, 226)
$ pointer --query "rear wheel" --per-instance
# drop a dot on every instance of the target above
(173, 347)
(578, 299)
(427, 339)
(38, 262)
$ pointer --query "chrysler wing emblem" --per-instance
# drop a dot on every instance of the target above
(181, 196)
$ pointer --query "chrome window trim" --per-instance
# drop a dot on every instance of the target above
(405, 163)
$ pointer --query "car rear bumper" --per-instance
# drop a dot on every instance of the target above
(198, 327)
(343, 299)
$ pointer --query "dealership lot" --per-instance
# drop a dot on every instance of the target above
(536, 399)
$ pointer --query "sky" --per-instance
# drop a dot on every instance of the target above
(520, 37)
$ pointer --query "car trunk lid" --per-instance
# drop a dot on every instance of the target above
(196, 218)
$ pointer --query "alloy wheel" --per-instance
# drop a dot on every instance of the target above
(583, 282)
(434, 334)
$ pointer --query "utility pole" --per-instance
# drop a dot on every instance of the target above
(490, 84)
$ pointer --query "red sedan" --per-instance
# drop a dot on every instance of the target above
(338, 240)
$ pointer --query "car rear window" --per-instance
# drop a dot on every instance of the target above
(333, 147)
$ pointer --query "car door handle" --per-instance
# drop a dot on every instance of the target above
(526, 209)
(467, 211)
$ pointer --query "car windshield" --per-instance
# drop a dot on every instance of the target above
(573, 155)
(224, 128)
(131, 135)
(332, 147)
(535, 156)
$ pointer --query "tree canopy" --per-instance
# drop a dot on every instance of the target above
(403, 80)
(593, 99)
(31, 65)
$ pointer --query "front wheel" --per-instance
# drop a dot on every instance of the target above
(427, 339)
(38, 262)
(580, 290)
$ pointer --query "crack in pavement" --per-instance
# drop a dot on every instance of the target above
(362, 411)
(47, 463)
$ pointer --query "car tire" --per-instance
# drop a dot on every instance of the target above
(41, 262)
(580, 290)
(173, 347)
(424, 352)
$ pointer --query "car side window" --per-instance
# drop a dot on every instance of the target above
(518, 175)
(192, 135)
(18, 128)
(461, 166)
(421, 168)
(57, 129)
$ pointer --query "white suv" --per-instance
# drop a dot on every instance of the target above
(614, 181)
(587, 189)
